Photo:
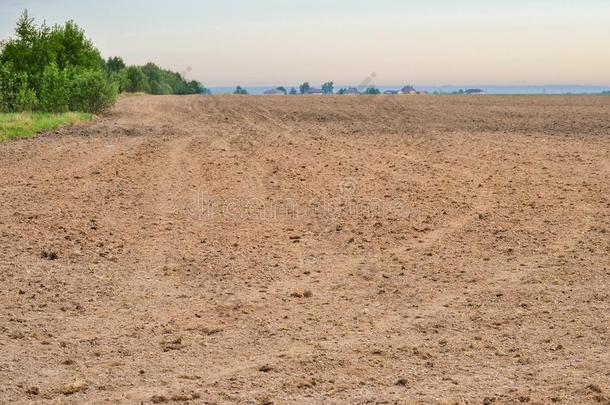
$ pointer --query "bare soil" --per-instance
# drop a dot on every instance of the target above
(279, 250)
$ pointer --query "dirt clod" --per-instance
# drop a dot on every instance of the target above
(49, 255)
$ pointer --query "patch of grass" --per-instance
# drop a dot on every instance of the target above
(25, 125)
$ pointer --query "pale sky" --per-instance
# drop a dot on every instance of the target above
(272, 42)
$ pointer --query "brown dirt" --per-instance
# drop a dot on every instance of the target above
(295, 250)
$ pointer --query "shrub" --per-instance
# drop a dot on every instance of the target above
(91, 91)
(136, 80)
(25, 100)
(54, 92)
(160, 88)
(15, 92)
(120, 79)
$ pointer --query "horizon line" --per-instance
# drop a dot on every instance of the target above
(415, 85)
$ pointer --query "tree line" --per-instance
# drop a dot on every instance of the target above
(58, 69)
(305, 88)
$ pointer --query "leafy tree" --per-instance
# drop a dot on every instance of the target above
(12, 83)
(162, 80)
(328, 88)
(25, 99)
(136, 80)
(342, 91)
(33, 47)
(74, 49)
(240, 90)
(282, 89)
(115, 64)
(120, 79)
(19, 50)
(54, 91)
(195, 87)
(293, 91)
(58, 68)
(91, 91)
(372, 91)
(304, 88)
(160, 88)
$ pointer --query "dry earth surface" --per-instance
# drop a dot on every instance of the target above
(279, 250)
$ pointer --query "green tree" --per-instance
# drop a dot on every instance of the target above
(120, 79)
(54, 92)
(36, 62)
(328, 88)
(73, 48)
(115, 64)
(304, 88)
(282, 89)
(195, 87)
(293, 91)
(91, 91)
(240, 90)
(136, 80)
(25, 99)
(11, 83)
(372, 91)
(34, 47)
(56, 68)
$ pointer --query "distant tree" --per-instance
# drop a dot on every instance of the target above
(282, 89)
(196, 87)
(328, 88)
(293, 91)
(240, 90)
(372, 91)
(342, 91)
(304, 88)
(136, 80)
(115, 64)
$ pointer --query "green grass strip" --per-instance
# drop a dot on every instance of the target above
(25, 125)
